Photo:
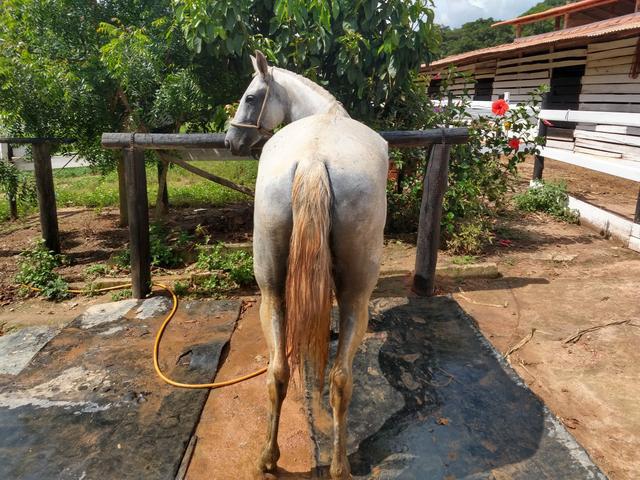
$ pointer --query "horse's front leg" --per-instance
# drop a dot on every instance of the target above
(272, 319)
(353, 325)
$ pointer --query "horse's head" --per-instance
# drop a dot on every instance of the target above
(260, 110)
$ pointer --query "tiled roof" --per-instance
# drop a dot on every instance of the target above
(557, 11)
(597, 29)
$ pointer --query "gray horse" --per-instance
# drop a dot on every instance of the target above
(320, 209)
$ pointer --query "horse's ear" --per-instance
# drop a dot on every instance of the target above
(260, 64)
(254, 62)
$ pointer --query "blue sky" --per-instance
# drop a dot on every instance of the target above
(454, 13)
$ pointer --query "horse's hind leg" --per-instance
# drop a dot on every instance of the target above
(353, 325)
(272, 319)
(271, 247)
(355, 275)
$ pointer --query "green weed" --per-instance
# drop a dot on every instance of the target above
(230, 269)
(550, 197)
(36, 269)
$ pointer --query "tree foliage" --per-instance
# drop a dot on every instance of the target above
(365, 51)
(479, 33)
(474, 35)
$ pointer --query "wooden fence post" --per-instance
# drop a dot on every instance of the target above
(435, 186)
(138, 208)
(46, 195)
(122, 193)
(13, 201)
(538, 165)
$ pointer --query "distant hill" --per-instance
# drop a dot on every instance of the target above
(479, 34)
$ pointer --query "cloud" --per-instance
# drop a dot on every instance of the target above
(456, 12)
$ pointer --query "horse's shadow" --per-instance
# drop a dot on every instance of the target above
(433, 401)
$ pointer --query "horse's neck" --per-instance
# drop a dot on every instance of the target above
(305, 100)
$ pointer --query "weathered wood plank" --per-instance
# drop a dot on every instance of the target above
(138, 205)
(633, 152)
(609, 98)
(36, 141)
(562, 144)
(599, 153)
(560, 133)
(540, 66)
(607, 88)
(179, 141)
(521, 83)
(611, 107)
(620, 129)
(435, 186)
(608, 137)
(613, 53)
(609, 70)
(578, 52)
(598, 47)
(607, 79)
(522, 76)
(46, 195)
(607, 118)
(605, 62)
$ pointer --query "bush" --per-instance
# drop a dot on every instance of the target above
(167, 248)
(481, 172)
(549, 197)
(36, 270)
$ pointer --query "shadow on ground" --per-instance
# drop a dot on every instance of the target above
(433, 400)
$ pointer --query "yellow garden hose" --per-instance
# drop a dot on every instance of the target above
(156, 343)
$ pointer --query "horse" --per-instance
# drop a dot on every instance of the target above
(319, 216)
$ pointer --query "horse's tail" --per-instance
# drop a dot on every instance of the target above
(309, 271)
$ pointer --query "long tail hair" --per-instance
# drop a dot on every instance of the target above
(309, 272)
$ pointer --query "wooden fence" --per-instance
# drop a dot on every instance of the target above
(41, 151)
(435, 184)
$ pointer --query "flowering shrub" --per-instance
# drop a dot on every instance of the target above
(481, 172)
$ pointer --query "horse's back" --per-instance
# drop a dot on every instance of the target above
(355, 156)
(356, 160)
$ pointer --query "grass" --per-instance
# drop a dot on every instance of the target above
(82, 187)
(549, 197)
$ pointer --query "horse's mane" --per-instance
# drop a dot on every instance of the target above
(311, 84)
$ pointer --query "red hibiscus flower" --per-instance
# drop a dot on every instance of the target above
(500, 107)
(514, 143)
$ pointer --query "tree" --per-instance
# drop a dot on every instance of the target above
(77, 68)
(365, 51)
(473, 36)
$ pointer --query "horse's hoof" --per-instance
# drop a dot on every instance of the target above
(268, 463)
(340, 472)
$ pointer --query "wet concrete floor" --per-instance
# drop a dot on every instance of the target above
(433, 400)
(89, 405)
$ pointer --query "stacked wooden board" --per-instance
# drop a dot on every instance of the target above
(520, 76)
(610, 141)
(607, 84)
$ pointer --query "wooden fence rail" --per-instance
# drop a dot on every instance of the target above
(435, 185)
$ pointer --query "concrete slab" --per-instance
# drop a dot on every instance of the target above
(89, 405)
(19, 347)
(432, 399)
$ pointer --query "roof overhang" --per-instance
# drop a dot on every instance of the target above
(623, 26)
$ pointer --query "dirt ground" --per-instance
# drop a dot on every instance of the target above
(614, 194)
(555, 278)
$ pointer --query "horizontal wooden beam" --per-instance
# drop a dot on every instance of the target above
(181, 141)
(582, 116)
(35, 141)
